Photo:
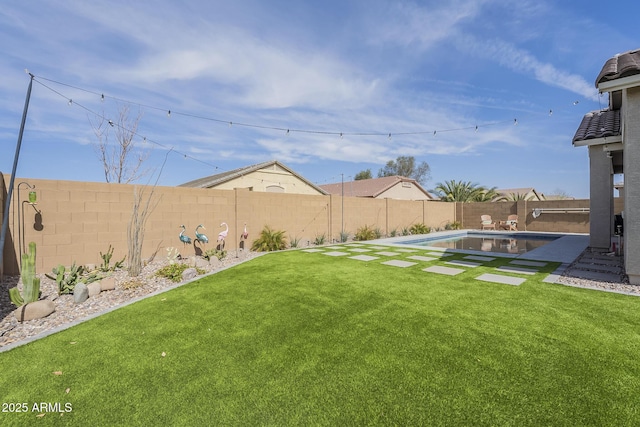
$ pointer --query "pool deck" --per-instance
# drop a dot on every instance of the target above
(565, 249)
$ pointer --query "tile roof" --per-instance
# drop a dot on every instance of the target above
(217, 179)
(598, 124)
(369, 187)
(622, 65)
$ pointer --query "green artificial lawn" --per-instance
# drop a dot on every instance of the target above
(297, 338)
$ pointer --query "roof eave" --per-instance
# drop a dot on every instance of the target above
(619, 84)
(598, 141)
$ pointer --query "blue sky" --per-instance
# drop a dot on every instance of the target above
(351, 67)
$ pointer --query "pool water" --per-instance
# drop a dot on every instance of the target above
(487, 242)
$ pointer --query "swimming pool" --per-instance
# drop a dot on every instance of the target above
(495, 242)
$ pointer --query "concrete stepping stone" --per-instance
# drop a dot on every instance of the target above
(335, 247)
(377, 248)
(602, 261)
(359, 250)
(438, 269)
(336, 253)
(354, 245)
(399, 263)
(480, 258)
(528, 263)
(464, 263)
(438, 254)
(498, 278)
(422, 258)
(364, 257)
(597, 267)
(385, 253)
(312, 250)
(517, 270)
(407, 250)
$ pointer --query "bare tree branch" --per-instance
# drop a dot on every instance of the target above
(121, 161)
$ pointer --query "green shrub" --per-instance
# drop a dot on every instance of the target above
(294, 242)
(344, 236)
(453, 226)
(217, 253)
(269, 240)
(419, 229)
(365, 233)
(319, 240)
(393, 233)
(174, 272)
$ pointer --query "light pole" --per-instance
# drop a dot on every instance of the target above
(342, 213)
(5, 219)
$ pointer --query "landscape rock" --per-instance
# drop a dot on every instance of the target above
(108, 284)
(90, 267)
(94, 289)
(189, 274)
(34, 310)
(215, 262)
(201, 263)
(80, 293)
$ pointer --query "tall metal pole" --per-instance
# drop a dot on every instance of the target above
(7, 205)
(342, 213)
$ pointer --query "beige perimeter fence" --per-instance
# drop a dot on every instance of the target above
(75, 221)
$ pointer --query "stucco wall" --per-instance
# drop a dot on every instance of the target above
(400, 191)
(262, 179)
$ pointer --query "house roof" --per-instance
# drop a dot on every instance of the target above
(598, 124)
(370, 187)
(622, 65)
(221, 178)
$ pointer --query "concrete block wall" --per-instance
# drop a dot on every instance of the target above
(75, 221)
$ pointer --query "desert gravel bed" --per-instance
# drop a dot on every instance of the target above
(67, 312)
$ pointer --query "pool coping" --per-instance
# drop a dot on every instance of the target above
(566, 249)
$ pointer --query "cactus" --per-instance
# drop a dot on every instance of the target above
(106, 261)
(66, 282)
(30, 283)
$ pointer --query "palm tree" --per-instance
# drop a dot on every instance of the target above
(464, 191)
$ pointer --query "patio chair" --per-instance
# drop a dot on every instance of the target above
(487, 223)
(510, 224)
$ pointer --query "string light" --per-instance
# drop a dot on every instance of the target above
(102, 97)
(287, 130)
(112, 124)
(70, 102)
(551, 112)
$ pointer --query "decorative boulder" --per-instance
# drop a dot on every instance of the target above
(189, 274)
(80, 293)
(200, 263)
(34, 310)
(108, 284)
(94, 289)
(215, 262)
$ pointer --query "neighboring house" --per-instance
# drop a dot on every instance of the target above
(388, 187)
(515, 194)
(612, 136)
(270, 177)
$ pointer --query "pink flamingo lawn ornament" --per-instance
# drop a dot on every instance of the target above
(223, 234)
(245, 233)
